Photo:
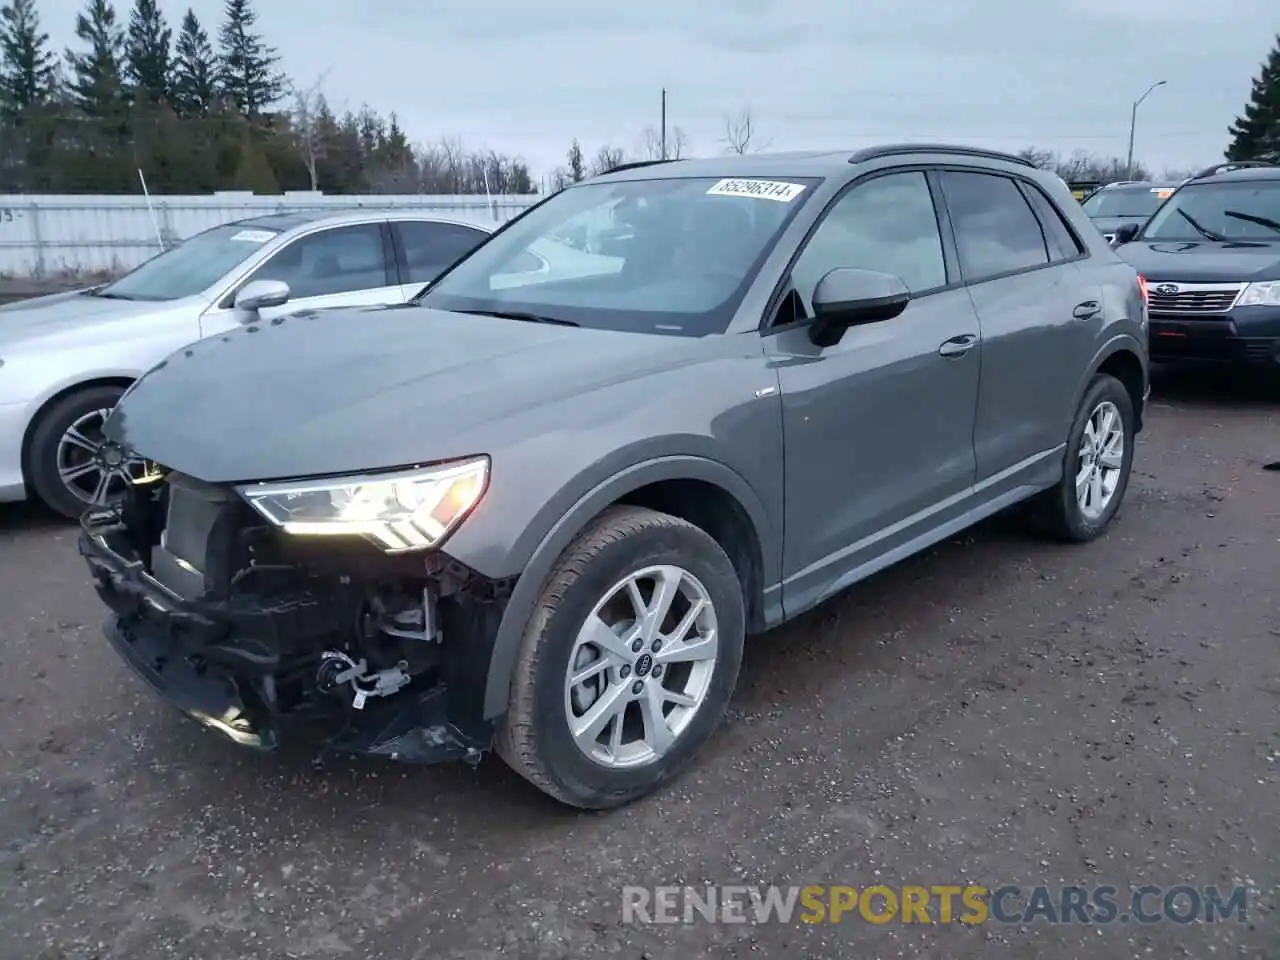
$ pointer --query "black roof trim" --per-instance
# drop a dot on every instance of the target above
(900, 149)
(1233, 165)
(637, 164)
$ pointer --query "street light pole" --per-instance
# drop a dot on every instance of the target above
(1133, 123)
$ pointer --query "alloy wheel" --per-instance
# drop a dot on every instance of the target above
(1100, 460)
(641, 667)
(91, 467)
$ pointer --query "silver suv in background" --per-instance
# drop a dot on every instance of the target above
(66, 359)
(542, 511)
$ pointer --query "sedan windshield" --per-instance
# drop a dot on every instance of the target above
(190, 267)
(672, 256)
(1136, 202)
(1242, 210)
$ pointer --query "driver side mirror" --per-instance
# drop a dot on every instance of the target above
(1125, 233)
(260, 294)
(847, 297)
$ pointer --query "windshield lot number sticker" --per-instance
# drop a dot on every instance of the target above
(253, 236)
(759, 189)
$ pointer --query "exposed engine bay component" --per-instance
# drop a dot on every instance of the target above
(333, 642)
(338, 670)
(402, 618)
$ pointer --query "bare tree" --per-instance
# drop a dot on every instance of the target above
(740, 134)
(1084, 166)
(1044, 159)
(607, 158)
(677, 144)
(307, 104)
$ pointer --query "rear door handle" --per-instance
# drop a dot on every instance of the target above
(958, 346)
(1087, 310)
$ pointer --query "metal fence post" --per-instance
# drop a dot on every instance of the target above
(36, 239)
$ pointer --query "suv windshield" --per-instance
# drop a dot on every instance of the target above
(190, 267)
(671, 256)
(1136, 202)
(1235, 210)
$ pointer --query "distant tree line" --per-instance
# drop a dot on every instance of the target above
(197, 114)
(1090, 167)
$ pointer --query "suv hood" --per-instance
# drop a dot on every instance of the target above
(1203, 261)
(347, 391)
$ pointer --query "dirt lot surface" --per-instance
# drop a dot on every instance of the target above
(999, 711)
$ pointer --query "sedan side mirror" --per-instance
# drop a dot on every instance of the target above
(259, 294)
(1125, 233)
(847, 297)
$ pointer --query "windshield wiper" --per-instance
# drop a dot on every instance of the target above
(523, 317)
(1207, 234)
(1252, 218)
(107, 295)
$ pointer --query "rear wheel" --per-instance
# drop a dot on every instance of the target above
(629, 661)
(1099, 460)
(72, 466)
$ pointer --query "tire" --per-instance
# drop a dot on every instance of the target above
(42, 453)
(535, 737)
(1058, 511)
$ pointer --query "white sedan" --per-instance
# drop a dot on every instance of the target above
(66, 359)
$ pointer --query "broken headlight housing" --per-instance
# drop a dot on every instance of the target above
(398, 511)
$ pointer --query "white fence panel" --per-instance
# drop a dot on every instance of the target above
(47, 235)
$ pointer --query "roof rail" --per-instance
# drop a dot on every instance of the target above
(636, 164)
(900, 149)
(1232, 165)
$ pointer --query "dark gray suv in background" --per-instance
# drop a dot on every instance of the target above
(541, 509)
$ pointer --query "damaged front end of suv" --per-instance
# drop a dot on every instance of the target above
(263, 608)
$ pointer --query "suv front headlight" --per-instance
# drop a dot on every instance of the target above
(401, 511)
(1264, 294)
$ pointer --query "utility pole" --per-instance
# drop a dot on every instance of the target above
(1133, 123)
(664, 123)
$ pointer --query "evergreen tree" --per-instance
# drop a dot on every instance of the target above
(576, 164)
(1256, 134)
(147, 56)
(96, 86)
(195, 70)
(247, 72)
(28, 71)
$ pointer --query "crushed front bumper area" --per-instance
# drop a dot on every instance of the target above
(245, 653)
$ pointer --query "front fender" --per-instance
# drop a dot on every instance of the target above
(554, 529)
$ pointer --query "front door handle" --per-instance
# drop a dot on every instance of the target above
(1087, 310)
(958, 346)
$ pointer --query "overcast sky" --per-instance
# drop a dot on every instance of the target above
(527, 77)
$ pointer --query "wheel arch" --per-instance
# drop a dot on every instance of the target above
(703, 492)
(1120, 358)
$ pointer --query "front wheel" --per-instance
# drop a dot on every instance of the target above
(629, 660)
(1099, 460)
(71, 465)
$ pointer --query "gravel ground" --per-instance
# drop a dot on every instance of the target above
(998, 711)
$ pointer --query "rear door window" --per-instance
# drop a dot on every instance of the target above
(429, 248)
(996, 231)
